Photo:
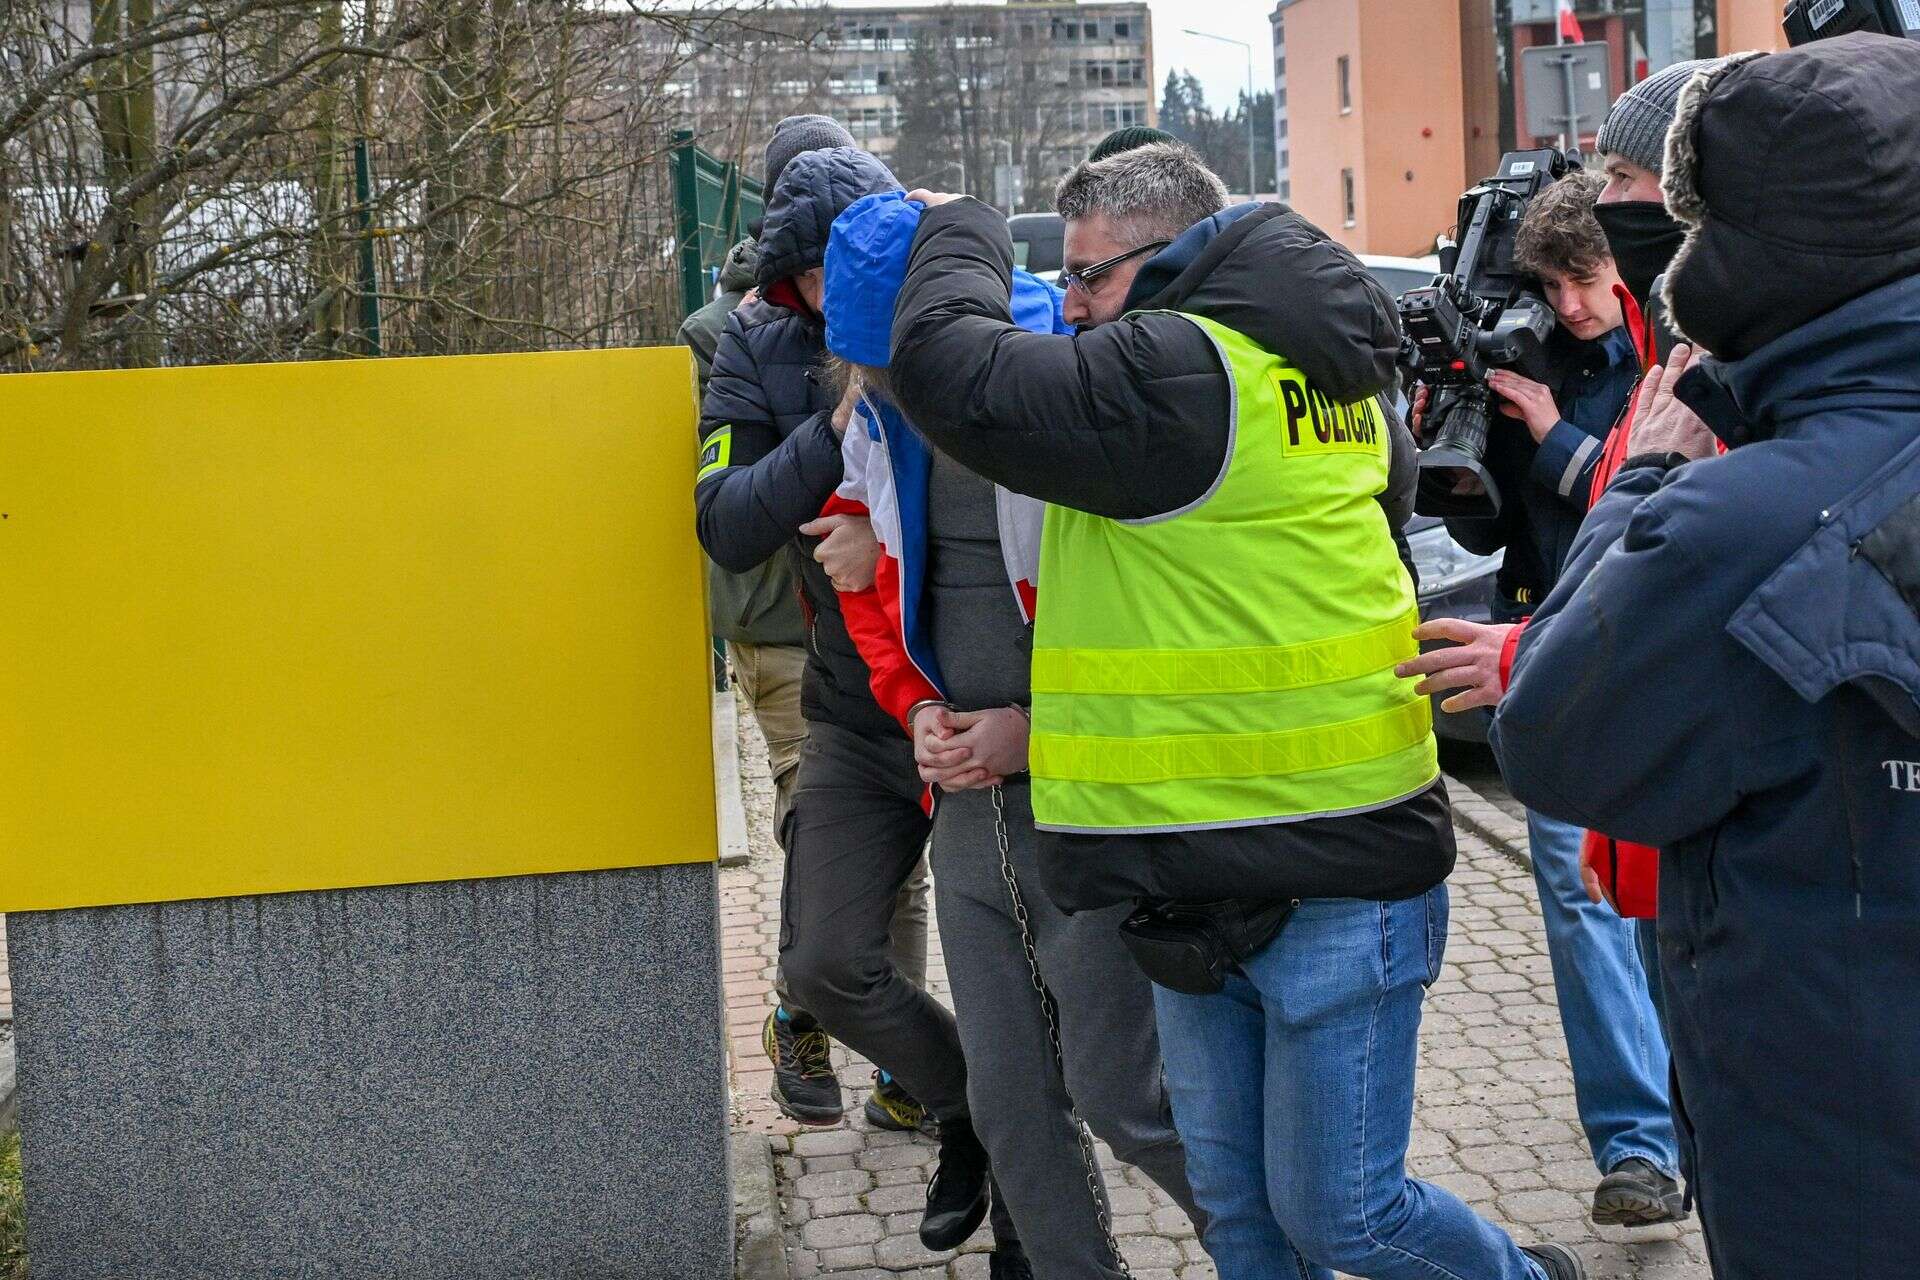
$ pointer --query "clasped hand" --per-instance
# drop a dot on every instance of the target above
(967, 750)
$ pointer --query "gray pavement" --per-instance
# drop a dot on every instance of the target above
(1495, 1122)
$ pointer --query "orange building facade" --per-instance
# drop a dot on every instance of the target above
(1386, 110)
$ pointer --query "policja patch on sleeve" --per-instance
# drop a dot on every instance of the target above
(715, 453)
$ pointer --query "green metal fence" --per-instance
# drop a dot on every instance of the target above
(713, 205)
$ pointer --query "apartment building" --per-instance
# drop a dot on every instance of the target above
(1385, 110)
(1028, 86)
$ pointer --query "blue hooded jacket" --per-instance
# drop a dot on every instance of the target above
(1729, 670)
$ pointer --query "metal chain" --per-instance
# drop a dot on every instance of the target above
(1048, 1008)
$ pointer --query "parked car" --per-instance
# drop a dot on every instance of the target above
(1037, 239)
(1454, 582)
(1401, 274)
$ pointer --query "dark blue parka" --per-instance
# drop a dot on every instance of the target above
(1726, 673)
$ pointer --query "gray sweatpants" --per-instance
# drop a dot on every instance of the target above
(1021, 1107)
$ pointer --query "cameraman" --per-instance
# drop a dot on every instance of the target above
(1545, 472)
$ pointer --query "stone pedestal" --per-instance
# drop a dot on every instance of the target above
(517, 1077)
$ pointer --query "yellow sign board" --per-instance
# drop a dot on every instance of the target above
(314, 626)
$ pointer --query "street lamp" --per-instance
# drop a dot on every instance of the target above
(1010, 197)
(1252, 179)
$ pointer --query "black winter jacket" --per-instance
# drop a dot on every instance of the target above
(1132, 420)
(766, 420)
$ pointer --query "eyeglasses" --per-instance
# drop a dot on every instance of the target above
(1086, 276)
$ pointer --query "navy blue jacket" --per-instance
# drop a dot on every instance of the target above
(769, 457)
(1725, 672)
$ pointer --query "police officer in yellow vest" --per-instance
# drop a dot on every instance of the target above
(1218, 736)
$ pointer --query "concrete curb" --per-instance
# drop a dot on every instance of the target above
(9, 1090)
(1491, 823)
(732, 806)
(759, 1246)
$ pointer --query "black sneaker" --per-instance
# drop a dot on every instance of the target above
(892, 1108)
(1558, 1261)
(1009, 1262)
(1636, 1194)
(804, 1086)
(957, 1198)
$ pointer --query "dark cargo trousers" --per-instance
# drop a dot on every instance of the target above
(854, 837)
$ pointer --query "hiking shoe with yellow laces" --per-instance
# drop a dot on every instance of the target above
(804, 1086)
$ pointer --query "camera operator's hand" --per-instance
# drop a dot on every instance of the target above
(1417, 411)
(1527, 400)
(1661, 424)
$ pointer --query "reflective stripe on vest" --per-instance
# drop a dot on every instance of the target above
(1248, 670)
(1232, 664)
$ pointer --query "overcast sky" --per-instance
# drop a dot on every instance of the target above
(1220, 68)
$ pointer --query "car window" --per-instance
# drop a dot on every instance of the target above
(1036, 241)
(1397, 280)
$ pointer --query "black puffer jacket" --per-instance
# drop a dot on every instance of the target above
(1133, 420)
(770, 458)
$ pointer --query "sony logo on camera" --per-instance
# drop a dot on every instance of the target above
(1809, 20)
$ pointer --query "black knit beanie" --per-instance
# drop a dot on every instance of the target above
(1127, 139)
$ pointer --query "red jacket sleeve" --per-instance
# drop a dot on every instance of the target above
(1509, 647)
(873, 620)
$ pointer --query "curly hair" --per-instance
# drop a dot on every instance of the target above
(1559, 232)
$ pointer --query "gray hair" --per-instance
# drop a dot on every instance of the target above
(1153, 192)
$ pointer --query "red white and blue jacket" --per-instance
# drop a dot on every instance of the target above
(887, 466)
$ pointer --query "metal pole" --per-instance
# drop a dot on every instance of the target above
(1208, 35)
(1253, 173)
(369, 277)
(686, 186)
(1560, 39)
(1573, 102)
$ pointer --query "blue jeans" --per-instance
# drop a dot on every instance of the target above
(1293, 1091)
(1614, 1040)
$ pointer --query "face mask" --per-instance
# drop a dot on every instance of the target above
(1643, 238)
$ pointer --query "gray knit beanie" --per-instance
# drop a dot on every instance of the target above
(1637, 126)
(801, 133)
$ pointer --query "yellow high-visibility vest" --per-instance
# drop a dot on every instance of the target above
(1231, 663)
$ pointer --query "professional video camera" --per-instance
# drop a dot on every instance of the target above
(1810, 20)
(1481, 314)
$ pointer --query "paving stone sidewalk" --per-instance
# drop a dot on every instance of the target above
(1495, 1122)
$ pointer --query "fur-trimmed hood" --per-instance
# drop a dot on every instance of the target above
(1795, 174)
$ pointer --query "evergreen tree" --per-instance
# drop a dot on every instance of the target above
(925, 149)
(1176, 109)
